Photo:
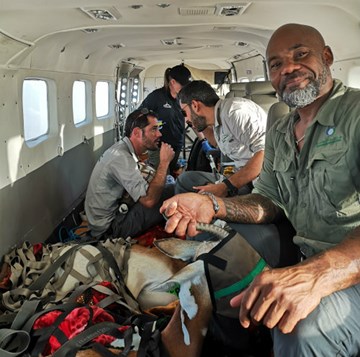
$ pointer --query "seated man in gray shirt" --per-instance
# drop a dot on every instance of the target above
(124, 194)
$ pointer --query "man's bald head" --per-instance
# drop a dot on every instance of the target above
(299, 64)
(305, 34)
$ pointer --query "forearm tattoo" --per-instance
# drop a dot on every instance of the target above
(251, 208)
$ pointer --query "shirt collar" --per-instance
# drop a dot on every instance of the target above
(217, 110)
(128, 143)
(327, 110)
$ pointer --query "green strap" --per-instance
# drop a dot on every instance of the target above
(243, 283)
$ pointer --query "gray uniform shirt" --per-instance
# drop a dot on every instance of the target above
(239, 129)
(118, 171)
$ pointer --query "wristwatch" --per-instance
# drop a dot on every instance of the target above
(213, 199)
(231, 189)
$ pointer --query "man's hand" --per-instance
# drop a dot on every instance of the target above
(185, 210)
(157, 184)
(218, 189)
(166, 153)
(279, 297)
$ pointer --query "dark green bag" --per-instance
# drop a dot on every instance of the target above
(230, 267)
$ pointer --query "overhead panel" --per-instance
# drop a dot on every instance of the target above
(102, 13)
(231, 9)
(227, 9)
(197, 11)
(10, 46)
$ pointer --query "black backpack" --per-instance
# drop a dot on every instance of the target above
(197, 160)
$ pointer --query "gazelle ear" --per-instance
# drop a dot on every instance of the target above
(186, 250)
(190, 273)
(177, 248)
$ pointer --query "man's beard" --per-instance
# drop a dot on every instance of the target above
(300, 98)
(199, 122)
(150, 145)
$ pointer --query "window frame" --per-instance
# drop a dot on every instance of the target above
(110, 97)
(51, 99)
(88, 102)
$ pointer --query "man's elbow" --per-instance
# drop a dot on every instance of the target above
(259, 156)
(258, 160)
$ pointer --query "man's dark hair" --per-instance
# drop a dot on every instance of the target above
(138, 119)
(198, 90)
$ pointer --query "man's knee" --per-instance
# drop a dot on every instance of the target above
(187, 180)
(299, 343)
(184, 183)
(322, 333)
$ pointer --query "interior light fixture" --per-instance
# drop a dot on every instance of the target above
(170, 42)
(90, 30)
(117, 46)
(102, 14)
(241, 44)
(231, 9)
(214, 46)
(163, 5)
(136, 7)
(109, 13)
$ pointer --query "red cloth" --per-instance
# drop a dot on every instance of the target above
(5, 274)
(73, 324)
(37, 249)
(94, 296)
(157, 232)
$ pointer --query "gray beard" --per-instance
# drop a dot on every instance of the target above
(300, 98)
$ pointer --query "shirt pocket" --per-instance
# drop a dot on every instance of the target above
(284, 177)
(237, 152)
(331, 181)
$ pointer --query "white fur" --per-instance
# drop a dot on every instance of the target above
(192, 274)
(187, 301)
(184, 329)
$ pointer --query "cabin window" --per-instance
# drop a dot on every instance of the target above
(79, 103)
(35, 109)
(102, 99)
